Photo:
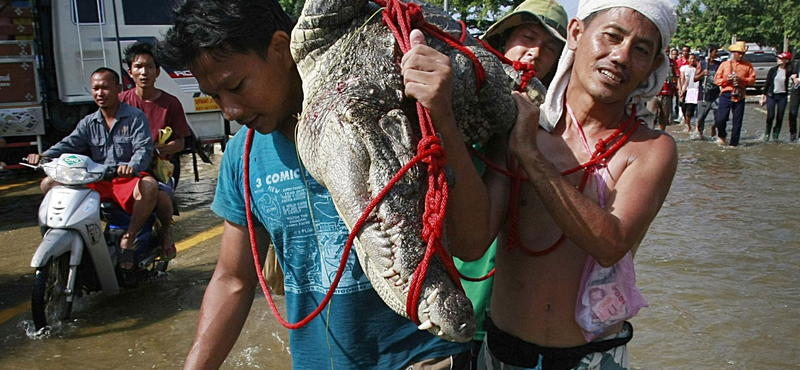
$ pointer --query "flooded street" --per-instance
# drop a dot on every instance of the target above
(720, 269)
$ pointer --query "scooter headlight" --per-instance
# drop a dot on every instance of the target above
(72, 175)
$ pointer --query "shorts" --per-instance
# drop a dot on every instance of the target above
(610, 353)
(661, 106)
(120, 191)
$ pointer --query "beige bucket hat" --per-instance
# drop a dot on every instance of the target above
(739, 46)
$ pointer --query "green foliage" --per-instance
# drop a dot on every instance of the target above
(292, 7)
(765, 22)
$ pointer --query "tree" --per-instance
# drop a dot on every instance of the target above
(765, 22)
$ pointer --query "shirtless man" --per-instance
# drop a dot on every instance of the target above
(613, 57)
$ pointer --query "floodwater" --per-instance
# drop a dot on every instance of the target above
(719, 267)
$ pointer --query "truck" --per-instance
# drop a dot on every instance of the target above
(48, 51)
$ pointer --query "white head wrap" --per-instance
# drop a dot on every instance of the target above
(660, 12)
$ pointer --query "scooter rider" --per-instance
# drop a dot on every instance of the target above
(116, 135)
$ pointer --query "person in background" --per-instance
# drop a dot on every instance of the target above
(733, 77)
(661, 104)
(709, 92)
(534, 32)
(775, 93)
(794, 98)
(116, 135)
(239, 51)
(162, 110)
(690, 89)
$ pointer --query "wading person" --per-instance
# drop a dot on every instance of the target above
(533, 33)
(559, 228)
(733, 77)
(239, 51)
(776, 91)
(709, 92)
(162, 110)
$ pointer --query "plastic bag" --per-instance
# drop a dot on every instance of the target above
(273, 274)
(608, 296)
(162, 168)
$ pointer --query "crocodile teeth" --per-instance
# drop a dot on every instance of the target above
(462, 326)
(395, 239)
(388, 273)
(432, 297)
(426, 325)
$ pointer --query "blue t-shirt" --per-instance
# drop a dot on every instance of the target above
(362, 331)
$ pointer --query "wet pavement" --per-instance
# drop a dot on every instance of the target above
(148, 327)
(721, 295)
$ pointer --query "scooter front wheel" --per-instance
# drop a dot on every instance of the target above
(49, 301)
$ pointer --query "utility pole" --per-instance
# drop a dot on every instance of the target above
(445, 6)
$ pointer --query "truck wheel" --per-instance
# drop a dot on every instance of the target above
(49, 302)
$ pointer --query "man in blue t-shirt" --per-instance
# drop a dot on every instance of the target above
(239, 51)
(708, 91)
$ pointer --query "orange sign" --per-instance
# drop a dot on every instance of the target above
(203, 103)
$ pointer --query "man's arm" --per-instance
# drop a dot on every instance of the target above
(76, 142)
(637, 196)
(142, 144)
(428, 78)
(721, 77)
(170, 147)
(228, 298)
(750, 78)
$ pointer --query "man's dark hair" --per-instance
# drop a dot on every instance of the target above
(140, 48)
(221, 28)
(108, 70)
(711, 47)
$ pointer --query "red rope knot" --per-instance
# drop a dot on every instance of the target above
(433, 145)
(415, 17)
(528, 73)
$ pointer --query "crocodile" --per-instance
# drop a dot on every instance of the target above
(357, 130)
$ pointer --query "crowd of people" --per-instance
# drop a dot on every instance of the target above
(699, 85)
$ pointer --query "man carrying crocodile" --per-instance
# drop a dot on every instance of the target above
(596, 178)
(239, 51)
(535, 33)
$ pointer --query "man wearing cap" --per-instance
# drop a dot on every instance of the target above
(534, 32)
(595, 216)
(733, 77)
(776, 90)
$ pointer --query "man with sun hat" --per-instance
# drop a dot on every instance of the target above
(733, 77)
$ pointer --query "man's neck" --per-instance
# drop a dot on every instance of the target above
(109, 114)
(592, 115)
(148, 94)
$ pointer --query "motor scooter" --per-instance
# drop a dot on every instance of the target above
(77, 254)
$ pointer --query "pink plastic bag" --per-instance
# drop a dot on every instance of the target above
(608, 295)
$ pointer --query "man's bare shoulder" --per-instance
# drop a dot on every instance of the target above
(652, 143)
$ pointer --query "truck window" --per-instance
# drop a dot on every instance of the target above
(87, 11)
(147, 12)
